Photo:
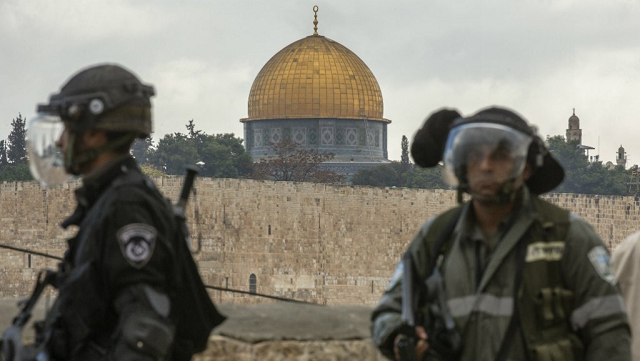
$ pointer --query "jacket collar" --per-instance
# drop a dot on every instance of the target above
(94, 184)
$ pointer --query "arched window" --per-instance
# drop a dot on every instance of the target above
(252, 283)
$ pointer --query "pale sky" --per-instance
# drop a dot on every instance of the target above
(542, 58)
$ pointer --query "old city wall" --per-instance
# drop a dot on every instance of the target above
(322, 243)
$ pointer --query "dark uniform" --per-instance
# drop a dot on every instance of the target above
(538, 289)
(128, 286)
(118, 267)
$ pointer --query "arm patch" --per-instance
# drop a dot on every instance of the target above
(137, 242)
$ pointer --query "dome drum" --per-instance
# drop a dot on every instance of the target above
(348, 139)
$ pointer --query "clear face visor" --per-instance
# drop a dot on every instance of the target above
(46, 161)
(472, 143)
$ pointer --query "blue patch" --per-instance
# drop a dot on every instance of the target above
(599, 258)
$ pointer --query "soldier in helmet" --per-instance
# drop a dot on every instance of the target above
(118, 285)
(523, 279)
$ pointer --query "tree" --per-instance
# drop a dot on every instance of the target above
(3, 154)
(220, 155)
(392, 175)
(582, 176)
(383, 175)
(15, 173)
(289, 163)
(173, 153)
(142, 150)
(429, 178)
(17, 149)
(404, 160)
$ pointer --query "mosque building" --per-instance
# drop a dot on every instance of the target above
(318, 93)
(574, 133)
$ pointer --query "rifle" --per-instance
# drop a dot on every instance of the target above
(407, 344)
(179, 210)
(445, 341)
(12, 346)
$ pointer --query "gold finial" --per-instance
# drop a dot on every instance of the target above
(315, 20)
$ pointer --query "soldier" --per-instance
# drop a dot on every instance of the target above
(523, 279)
(121, 284)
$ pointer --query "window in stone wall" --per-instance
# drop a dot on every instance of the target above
(252, 283)
(28, 260)
(269, 229)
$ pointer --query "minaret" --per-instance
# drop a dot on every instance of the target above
(621, 158)
(574, 133)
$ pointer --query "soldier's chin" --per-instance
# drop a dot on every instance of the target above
(485, 196)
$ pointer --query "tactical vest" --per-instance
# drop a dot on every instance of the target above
(544, 304)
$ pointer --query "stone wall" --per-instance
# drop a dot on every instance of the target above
(321, 243)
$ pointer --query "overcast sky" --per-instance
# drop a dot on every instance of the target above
(542, 58)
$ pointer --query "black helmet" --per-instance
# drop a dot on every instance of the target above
(106, 97)
(430, 141)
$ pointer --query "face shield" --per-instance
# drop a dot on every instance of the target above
(476, 147)
(46, 160)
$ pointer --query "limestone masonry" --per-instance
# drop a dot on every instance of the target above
(330, 244)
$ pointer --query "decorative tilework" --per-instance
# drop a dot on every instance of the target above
(286, 133)
(352, 136)
(276, 135)
(370, 137)
(266, 137)
(257, 138)
(326, 137)
(312, 136)
(340, 136)
(300, 135)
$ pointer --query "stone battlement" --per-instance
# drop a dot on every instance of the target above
(328, 244)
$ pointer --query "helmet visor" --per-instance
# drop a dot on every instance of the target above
(46, 161)
(475, 144)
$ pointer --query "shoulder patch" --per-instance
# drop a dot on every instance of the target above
(137, 242)
(600, 260)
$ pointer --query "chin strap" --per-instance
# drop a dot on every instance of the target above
(507, 193)
(73, 163)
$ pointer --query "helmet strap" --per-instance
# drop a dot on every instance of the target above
(75, 162)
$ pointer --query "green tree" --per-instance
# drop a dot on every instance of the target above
(429, 178)
(174, 151)
(383, 175)
(404, 159)
(17, 149)
(142, 150)
(15, 173)
(392, 175)
(584, 177)
(289, 163)
(3, 154)
(220, 155)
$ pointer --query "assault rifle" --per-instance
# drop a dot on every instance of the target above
(12, 346)
(445, 341)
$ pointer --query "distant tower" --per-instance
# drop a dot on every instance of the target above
(621, 158)
(574, 132)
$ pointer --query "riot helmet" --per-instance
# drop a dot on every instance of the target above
(495, 132)
(104, 97)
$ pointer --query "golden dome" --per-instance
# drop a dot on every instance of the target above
(315, 77)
